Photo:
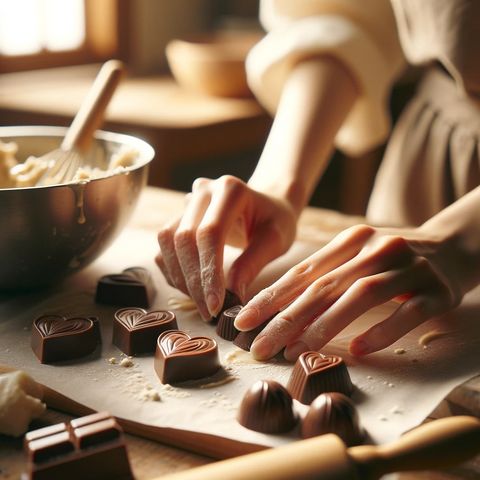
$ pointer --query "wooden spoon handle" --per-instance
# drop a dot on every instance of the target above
(90, 115)
(439, 444)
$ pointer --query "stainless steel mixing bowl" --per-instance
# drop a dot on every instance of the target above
(48, 233)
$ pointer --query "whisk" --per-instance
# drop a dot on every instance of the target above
(60, 165)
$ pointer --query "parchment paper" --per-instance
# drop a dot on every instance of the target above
(394, 392)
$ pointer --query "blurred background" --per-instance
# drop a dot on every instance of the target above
(51, 50)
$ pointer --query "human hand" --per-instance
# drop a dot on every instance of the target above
(220, 212)
(361, 268)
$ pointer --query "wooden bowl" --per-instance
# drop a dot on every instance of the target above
(212, 64)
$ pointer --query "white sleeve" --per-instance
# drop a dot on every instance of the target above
(366, 42)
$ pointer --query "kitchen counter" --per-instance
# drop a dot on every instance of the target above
(151, 459)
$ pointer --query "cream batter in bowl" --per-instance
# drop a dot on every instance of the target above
(50, 232)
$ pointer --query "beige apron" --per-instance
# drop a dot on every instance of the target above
(433, 156)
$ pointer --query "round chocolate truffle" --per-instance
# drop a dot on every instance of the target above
(267, 407)
(333, 413)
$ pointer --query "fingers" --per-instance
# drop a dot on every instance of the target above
(272, 299)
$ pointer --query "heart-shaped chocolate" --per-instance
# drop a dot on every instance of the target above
(179, 357)
(56, 338)
(131, 288)
(314, 374)
(135, 330)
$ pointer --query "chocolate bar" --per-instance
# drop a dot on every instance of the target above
(231, 299)
(333, 413)
(179, 357)
(132, 288)
(314, 374)
(56, 338)
(267, 407)
(90, 447)
(225, 328)
(136, 330)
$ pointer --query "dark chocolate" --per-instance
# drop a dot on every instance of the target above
(314, 374)
(244, 340)
(136, 331)
(90, 447)
(231, 299)
(56, 338)
(225, 327)
(179, 357)
(333, 413)
(132, 288)
(267, 407)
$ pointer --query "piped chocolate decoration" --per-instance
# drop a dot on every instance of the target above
(56, 338)
(132, 288)
(244, 340)
(225, 327)
(179, 357)
(333, 413)
(231, 299)
(267, 407)
(90, 447)
(136, 331)
(314, 374)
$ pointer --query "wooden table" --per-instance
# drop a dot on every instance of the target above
(151, 459)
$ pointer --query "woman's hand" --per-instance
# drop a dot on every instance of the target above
(361, 268)
(220, 212)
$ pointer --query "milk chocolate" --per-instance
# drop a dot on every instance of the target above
(132, 288)
(231, 299)
(136, 330)
(56, 338)
(90, 447)
(244, 340)
(225, 327)
(333, 413)
(315, 373)
(179, 357)
(267, 407)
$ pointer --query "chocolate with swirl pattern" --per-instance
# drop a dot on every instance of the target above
(179, 357)
(315, 373)
(56, 338)
(132, 288)
(136, 331)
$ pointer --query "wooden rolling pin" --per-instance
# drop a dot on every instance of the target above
(438, 444)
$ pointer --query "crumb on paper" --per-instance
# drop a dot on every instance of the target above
(428, 337)
(370, 377)
(181, 303)
(396, 410)
(391, 385)
(399, 351)
(382, 418)
(126, 362)
(112, 360)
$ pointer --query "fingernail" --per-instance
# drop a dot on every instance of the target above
(246, 319)
(213, 304)
(202, 308)
(358, 348)
(262, 348)
(293, 351)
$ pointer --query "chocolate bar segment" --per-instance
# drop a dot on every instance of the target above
(56, 338)
(314, 374)
(244, 340)
(225, 326)
(179, 357)
(132, 288)
(267, 407)
(136, 330)
(231, 299)
(333, 413)
(96, 450)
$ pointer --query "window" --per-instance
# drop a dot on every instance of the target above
(48, 33)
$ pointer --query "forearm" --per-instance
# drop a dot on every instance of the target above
(315, 101)
(457, 229)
